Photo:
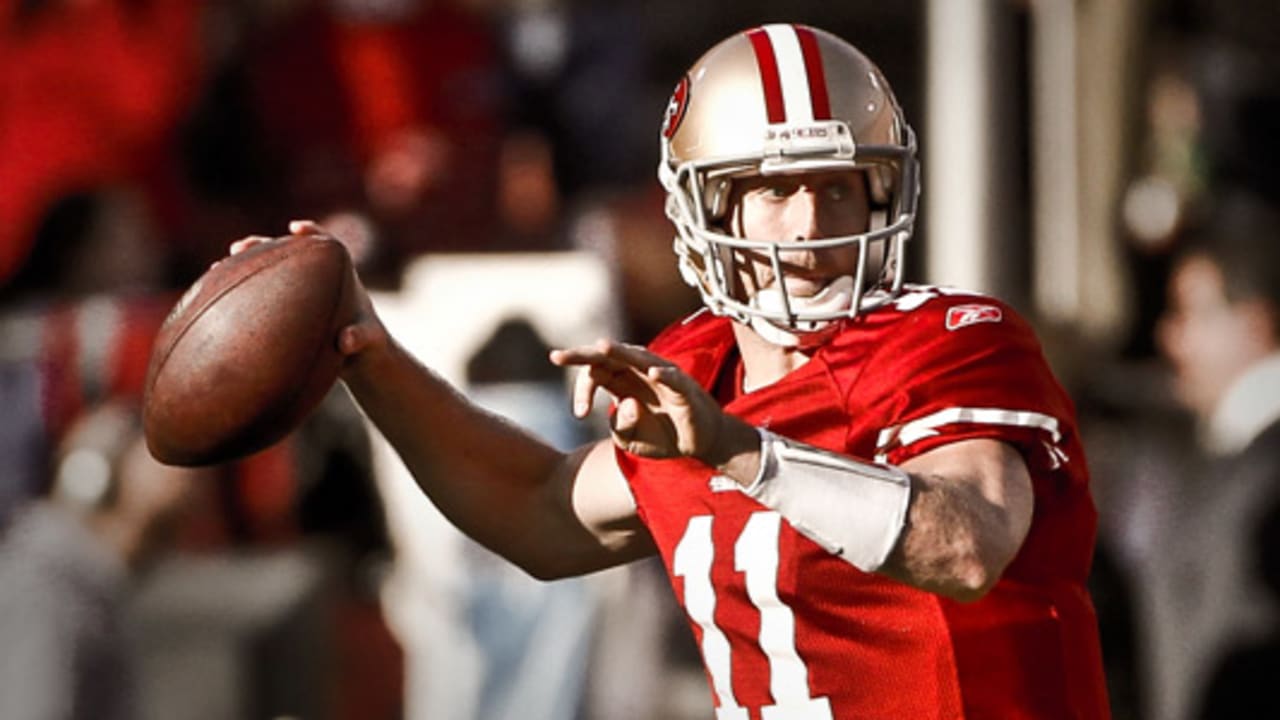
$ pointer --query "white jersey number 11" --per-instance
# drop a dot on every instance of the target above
(755, 555)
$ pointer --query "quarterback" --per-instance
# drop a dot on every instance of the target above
(870, 495)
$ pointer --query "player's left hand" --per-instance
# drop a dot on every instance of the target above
(660, 411)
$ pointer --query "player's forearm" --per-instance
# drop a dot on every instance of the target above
(970, 511)
(488, 476)
(967, 506)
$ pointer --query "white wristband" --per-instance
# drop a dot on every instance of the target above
(852, 509)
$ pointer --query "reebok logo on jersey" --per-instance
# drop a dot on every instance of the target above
(965, 315)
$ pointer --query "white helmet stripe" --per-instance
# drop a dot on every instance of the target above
(796, 96)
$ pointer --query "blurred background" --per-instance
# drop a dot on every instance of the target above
(1110, 168)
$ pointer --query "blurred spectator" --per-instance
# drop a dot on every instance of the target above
(1221, 331)
(529, 203)
(337, 508)
(1221, 334)
(423, 81)
(91, 93)
(271, 609)
(391, 110)
(1110, 588)
(76, 324)
(65, 565)
(77, 328)
(577, 72)
(97, 241)
(58, 358)
(1243, 683)
(1233, 60)
(269, 136)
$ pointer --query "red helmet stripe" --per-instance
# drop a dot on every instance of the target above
(769, 79)
(817, 76)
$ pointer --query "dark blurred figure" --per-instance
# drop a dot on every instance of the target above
(1243, 684)
(91, 95)
(1221, 335)
(391, 111)
(577, 71)
(1234, 58)
(76, 325)
(337, 509)
(1117, 618)
(66, 565)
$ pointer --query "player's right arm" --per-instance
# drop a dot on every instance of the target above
(552, 513)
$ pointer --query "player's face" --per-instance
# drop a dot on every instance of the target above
(793, 208)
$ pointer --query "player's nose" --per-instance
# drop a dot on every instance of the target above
(804, 216)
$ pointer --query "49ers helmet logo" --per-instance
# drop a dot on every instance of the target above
(675, 108)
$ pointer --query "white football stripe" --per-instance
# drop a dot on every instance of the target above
(791, 71)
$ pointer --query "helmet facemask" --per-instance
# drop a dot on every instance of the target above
(698, 169)
(698, 205)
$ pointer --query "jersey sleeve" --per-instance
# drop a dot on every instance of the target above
(964, 367)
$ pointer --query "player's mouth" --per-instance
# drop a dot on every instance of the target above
(815, 288)
(808, 295)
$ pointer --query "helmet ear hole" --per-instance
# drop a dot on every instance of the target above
(715, 197)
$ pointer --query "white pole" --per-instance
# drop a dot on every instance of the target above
(1054, 169)
(958, 146)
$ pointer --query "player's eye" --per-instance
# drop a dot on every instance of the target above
(838, 190)
(779, 190)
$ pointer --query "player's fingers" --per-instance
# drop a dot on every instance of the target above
(584, 392)
(615, 372)
(245, 243)
(607, 353)
(306, 227)
(607, 370)
(634, 356)
(563, 357)
(673, 380)
(594, 354)
(626, 416)
(596, 372)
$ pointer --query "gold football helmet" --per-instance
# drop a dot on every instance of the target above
(786, 99)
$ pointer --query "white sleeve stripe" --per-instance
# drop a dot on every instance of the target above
(913, 431)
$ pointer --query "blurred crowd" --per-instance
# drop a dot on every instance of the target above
(1183, 418)
(138, 138)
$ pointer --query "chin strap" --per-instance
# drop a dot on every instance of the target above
(853, 509)
(835, 298)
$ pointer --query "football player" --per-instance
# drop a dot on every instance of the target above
(870, 496)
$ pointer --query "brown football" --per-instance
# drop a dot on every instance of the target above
(249, 351)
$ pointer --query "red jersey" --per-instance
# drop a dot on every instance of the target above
(788, 631)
